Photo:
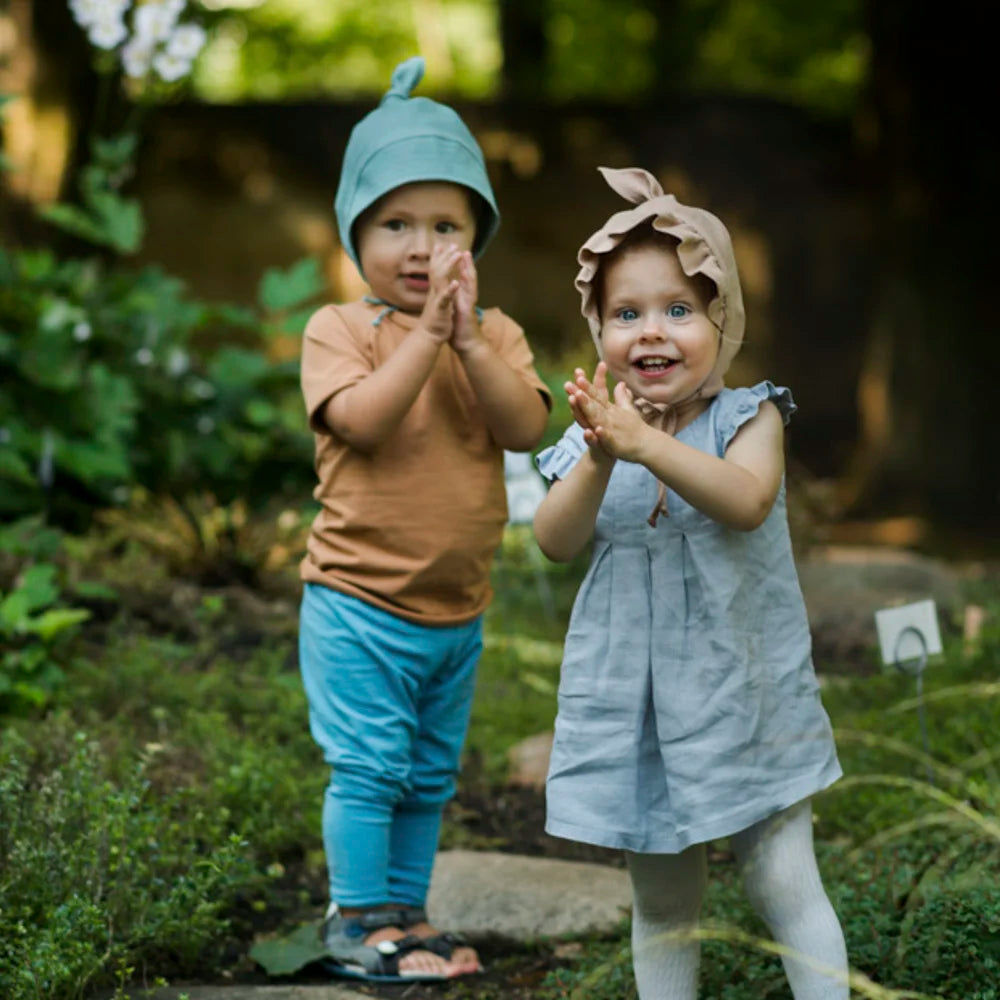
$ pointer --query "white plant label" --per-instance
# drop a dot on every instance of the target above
(898, 644)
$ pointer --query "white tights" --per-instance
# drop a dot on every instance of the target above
(782, 882)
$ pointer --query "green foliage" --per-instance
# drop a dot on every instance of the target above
(117, 378)
(34, 623)
(297, 48)
(106, 217)
(628, 50)
(816, 57)
(31, 628)
(96, 874)
(233, 735)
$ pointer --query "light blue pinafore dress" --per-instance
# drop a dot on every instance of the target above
(688, 704)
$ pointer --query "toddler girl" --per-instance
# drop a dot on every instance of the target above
(688, 705)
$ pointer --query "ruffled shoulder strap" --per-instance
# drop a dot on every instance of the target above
(737, 406)
(557, 462)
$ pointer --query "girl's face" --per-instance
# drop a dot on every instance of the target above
(396, 235)
(656, 336)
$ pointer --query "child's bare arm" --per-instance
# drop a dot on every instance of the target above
(514, 411)
(565, 519)
(366, 414)
(737, 490)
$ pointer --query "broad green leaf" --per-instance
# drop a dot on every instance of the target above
(37, 584)
(284, 289)
(121, 220)
(91, 462)
(286, 955)
(51, 623)
(117, 151)
(294, 322)
(14, 467)
(260, 413)
(237, 368)
(72, 219)
(14, 611)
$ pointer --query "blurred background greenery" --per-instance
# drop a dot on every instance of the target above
(840, 141)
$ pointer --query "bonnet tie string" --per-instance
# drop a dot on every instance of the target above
(663, 417)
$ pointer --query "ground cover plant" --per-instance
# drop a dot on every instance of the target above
(177, 792)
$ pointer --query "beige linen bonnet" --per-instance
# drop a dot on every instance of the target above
(704, 247)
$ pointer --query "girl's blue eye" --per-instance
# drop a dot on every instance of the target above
(678, 311)
(627, 315)
(446, 228)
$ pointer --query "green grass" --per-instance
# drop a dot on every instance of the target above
(188, 747)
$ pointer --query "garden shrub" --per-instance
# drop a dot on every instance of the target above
(97, 875)
(35, 623)
(117, 378)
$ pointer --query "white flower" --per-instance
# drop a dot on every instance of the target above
(120, 494)
(89, 12)
(186, 41)
(202, 389)
(205, 425)
(107, 30)
(82, 332)
(171, 68)
(153, 22)
(144, 356)
(137, 57)
(178, 362)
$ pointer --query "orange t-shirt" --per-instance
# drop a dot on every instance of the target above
(412, 527)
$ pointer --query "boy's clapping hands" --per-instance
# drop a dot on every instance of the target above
(438, 316)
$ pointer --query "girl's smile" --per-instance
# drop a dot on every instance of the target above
(656, 336)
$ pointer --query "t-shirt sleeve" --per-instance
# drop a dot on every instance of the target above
(333, 358)
(742, 405)
(557, 462)
(509, 341)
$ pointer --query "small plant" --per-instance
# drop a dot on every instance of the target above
(32, 628)
(35, 625)
(97, 875)
(153, 54)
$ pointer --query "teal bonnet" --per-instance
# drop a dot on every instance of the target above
(406, 140)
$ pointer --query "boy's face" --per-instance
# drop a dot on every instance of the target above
(396, 235)
(656, 336)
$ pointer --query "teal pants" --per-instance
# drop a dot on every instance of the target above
(389, 705)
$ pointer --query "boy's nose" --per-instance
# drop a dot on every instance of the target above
(422, 242)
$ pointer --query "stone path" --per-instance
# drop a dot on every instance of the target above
(481, 895)
(521, 898)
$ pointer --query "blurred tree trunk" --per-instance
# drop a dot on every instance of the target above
(525, 49)
(51, 78)
(934, 352)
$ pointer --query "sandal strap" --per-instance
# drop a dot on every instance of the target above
(414, 915)
(443, 944)
(380, 959)
(376, 920)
